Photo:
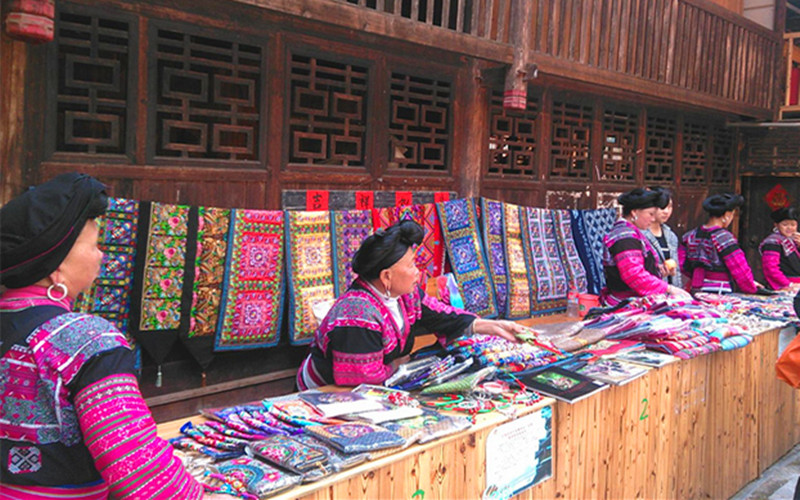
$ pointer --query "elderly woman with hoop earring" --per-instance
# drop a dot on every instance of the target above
(74, 422)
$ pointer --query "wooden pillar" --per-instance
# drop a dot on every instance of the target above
(13, 60)
(470, 136)
(515, 94)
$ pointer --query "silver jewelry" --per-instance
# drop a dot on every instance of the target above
(387, 293)
(60, 286)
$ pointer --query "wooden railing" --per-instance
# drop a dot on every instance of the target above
(791, 105)
(692, 45)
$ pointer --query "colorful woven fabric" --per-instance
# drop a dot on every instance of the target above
(383, 217)
(250, 309)
(309, 270)
(348, 229)
(597, 224)
(162, 298)
(548, 276)
(261, 480)
(18, 492)
(467, 258)
(569, 253)
(110, 295)
(212, 243)
(285, 452)
(595, 279)
(519, 288)
(429, 255)
(494, 243)
(133, 460)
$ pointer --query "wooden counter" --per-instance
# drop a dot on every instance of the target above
(700, 428)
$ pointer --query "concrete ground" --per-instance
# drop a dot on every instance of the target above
(777, 482)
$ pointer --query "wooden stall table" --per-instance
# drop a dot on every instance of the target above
(699, 428)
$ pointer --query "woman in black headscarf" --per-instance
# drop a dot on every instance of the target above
(75, 424)
(711, 255)
(370, 329)
(780, 251)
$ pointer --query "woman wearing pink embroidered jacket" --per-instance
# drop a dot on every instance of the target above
(370, 329)
(74, 424)
(629, 260)
(710, 254)
(780, 253)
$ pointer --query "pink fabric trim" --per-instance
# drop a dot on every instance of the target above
(16, 492)
(354, 369)
(120, 433)
(30, 296)
(770, 261)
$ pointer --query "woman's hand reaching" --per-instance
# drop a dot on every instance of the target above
(502, 328)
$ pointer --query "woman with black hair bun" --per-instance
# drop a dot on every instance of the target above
(780, 255)
(630, 262)
(370, 329)
(710, 254)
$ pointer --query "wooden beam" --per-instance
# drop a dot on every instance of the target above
(515, 94)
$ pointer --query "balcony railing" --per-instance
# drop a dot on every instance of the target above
(686, 45)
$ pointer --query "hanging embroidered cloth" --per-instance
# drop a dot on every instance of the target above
(597, 224)
(309, 270)
(429, 255)
(161, 299)
(519, 288)
(548, 276)
(594, 268)
(252, 294)
(110, 294)
(383, 217)
(467, 258)
(207, 282)
(494, 243)
(569, 253)
(348, 229)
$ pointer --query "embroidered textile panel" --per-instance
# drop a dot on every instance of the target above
(252, 295)
(467, 258)
(164, 267)
(429, 255)
(597, 224)
(569, 253)
(110, 294)
(595, 278)
(548, 276)
(212, 247)
(519, 288)
(494, 243)
(310, 270)
(348, 229)
(383, 217)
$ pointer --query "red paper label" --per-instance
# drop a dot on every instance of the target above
(440, 196)
(365, 200)
(402, 198)
(316, 200)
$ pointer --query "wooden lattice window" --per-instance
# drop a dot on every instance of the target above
(619, 145)
(205, 97)
(512, 140)
(722, 157)
(328, 112)
(571, 136)
(91, 98)
(771, 151)
(695, 153)
(419, 123)
(659, 164)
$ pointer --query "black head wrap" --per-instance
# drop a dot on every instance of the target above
(664, 196)
(638, 198)
(39, 227)
(717, 204)
(785, 213)
(383, 248)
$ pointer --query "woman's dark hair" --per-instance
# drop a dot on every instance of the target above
(664, 196)
(785, 213)
(717, 204)
(638, 198)
(383, 248)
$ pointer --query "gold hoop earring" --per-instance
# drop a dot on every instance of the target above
(60, 286)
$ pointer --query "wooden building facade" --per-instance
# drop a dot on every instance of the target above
(231, 103)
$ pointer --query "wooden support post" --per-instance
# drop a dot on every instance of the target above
(471, 133)
(515, 95)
